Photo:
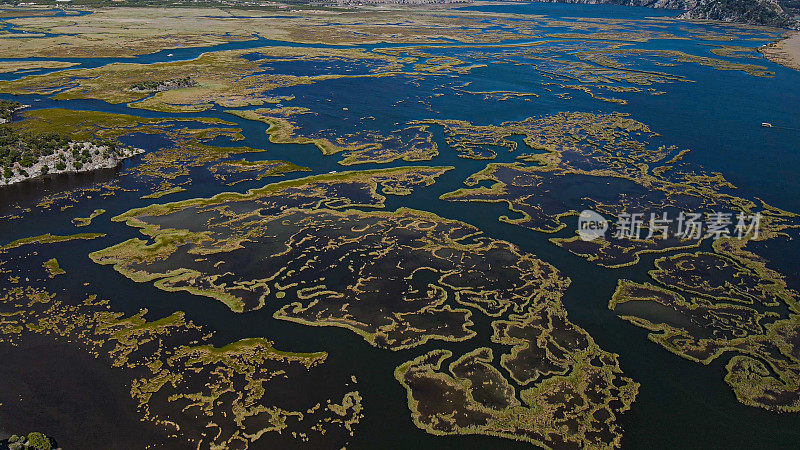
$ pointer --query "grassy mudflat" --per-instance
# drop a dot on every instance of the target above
(49, 239)
(619, 154)
(18, 66)
(704, 303)
(142, 262)
(86, 221)
(290, 86)
(52, 267)
(307, 240)
(180, 380)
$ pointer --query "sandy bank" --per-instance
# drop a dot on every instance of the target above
(785, 52)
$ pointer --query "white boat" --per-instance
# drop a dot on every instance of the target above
(766, 124)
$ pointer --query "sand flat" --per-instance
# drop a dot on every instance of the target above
(785, 52)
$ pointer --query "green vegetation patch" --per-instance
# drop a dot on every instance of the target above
(33, 441)
(85, 221)
(163, 192)
(7, 108)
(50, 239)
(179, 378)
(53, 268)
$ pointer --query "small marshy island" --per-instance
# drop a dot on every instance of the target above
(161, 86)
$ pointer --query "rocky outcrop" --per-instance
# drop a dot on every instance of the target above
(770, 13)
(754, 12)
(75, 157)
(662, 4)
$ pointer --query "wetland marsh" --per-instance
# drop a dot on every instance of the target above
(360, 228)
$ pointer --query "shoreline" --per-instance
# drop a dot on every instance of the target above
(97, 162)
(18, 108)
(785, 52)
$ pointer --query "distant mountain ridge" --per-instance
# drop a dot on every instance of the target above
(755, 12)
(772, 13)
(662, 4)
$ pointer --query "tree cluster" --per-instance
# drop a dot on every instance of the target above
(7, 107)
(25, 149)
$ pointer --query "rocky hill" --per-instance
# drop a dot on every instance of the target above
(664, 4)
(773, 13)
(754, 12)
